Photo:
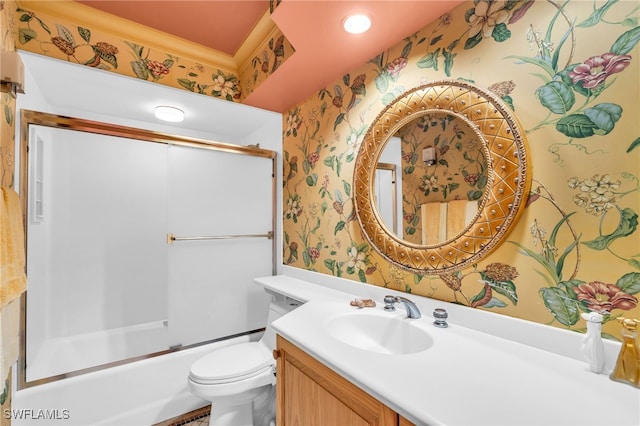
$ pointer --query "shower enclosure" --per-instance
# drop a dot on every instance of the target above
(138, 243)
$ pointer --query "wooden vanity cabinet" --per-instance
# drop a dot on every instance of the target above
(311, 394)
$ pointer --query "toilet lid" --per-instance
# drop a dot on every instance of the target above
(233, 362)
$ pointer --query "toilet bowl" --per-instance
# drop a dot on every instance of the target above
(239, 380)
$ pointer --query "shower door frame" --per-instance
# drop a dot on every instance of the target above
(37, 118)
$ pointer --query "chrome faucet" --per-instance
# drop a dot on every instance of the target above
(412, 308)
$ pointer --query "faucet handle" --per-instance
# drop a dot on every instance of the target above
(440, 316)
(389, 303)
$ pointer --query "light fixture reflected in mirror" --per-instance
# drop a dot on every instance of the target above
(429, 156)
(169, 113)
(356, 24)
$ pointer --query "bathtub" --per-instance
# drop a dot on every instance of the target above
(66, 354)
(140, 393)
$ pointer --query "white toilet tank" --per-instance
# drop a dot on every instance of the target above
(280, 305)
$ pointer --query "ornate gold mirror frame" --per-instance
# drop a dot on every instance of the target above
(509, 176)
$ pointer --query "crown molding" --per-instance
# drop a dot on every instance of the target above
(263, 30)
(131, 31)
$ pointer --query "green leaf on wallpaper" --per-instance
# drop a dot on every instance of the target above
(338, 196)
(634, 263)
(339, 120)
(66, 34)
(474, 194)
(604, 115)
(509, 101)
(482, 181)
(362, 276)
(107, 57)
(505, 288)
(330, 264)
(576, 126)
(567, 287)
(8, 114)
(501, 33)
(473, 41)
(187, 84)
(430, 60)
(448, 61)
(627, 226)
(563, 256)
(382, 82)
(406, 50)
(495, 303)
(312, 179)
(328, 161)
(556, 96)
(139, 69)
(626, 42)
(347, 188)
(633, 145)
(563, 308)
(26, 34)
(306, 258)
(435, 40)
(339, 227)
(85, 34)
(306, 166)
(630, 283)
(597, 15)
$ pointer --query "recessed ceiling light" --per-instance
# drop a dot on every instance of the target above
(169, 113)
(357, 24)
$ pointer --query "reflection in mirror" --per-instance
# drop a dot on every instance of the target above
(443, 176)
(388, 184)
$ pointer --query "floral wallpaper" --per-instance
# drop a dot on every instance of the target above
(570, 71)
(77, 42)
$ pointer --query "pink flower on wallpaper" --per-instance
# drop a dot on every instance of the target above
(602, 297)
(314, 253)
(596, 69)
(394, 67)
(313, 158)
(157, 68)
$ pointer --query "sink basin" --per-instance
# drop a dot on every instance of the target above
(378, 331)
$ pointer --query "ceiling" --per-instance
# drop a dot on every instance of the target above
(324, 52)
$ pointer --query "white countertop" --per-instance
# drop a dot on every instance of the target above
(466, 378)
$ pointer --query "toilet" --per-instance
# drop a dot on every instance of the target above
(239, 380)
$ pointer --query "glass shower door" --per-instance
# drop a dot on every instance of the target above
(228, 197)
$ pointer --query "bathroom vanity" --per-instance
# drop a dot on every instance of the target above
(381, 368)
(307, 389)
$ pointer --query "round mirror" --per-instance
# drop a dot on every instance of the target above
(462, 176)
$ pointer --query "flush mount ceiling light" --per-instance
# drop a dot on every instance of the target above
(169, 113)
(357, 24)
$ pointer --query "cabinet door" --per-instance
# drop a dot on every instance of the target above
(311, 394)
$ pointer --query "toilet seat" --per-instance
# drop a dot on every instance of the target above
(232, 363)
